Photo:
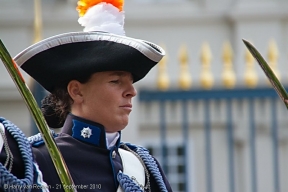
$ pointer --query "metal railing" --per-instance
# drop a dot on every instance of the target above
(228, 98)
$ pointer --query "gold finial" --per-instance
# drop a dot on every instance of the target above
(206, 77)
(228, 75)
(37, 21)
(273, 57)
(185, 79)
(250, 75)
(163, 79)
(37, 27)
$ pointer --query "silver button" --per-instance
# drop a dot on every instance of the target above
(113, 154)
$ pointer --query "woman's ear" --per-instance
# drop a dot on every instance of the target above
(74, 90)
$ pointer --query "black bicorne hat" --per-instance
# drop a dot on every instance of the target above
(55, 61)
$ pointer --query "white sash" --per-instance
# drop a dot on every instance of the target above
(132, 167)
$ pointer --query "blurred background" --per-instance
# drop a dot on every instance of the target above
(207, 111)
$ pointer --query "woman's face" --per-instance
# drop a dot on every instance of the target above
(106, 99)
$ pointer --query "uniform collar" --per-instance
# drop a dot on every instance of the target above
(86, 131)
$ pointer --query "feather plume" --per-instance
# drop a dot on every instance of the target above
(102, 15)
(84, 5)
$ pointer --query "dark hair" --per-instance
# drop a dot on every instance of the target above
(57, 105)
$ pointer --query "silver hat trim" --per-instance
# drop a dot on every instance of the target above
(146, 48)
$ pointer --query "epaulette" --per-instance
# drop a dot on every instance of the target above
(33, 178)
(37, 140)
(7, 179)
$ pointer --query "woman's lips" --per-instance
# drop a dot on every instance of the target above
(127, 107)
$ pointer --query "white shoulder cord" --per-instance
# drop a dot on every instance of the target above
(3, 142)
(2, 131)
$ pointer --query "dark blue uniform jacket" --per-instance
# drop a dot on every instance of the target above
(92, 166)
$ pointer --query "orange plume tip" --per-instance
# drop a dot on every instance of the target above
(84, 5)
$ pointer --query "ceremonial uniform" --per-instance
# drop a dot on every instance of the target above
(92, 165)
(82, 71)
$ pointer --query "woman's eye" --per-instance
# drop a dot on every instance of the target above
(114, 81)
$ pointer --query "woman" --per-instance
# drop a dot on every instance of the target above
(90, 78)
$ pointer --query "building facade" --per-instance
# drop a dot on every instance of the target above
(203, 28)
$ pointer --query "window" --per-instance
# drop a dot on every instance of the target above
(173, 165)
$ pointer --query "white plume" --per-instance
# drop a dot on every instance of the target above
(103, 17)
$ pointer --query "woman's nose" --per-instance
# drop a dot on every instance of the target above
(131, 92)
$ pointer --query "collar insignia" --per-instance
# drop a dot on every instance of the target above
(86, 132)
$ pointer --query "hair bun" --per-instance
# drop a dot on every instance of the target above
(48, 108)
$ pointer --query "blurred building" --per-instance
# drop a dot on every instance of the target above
(203, 41)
